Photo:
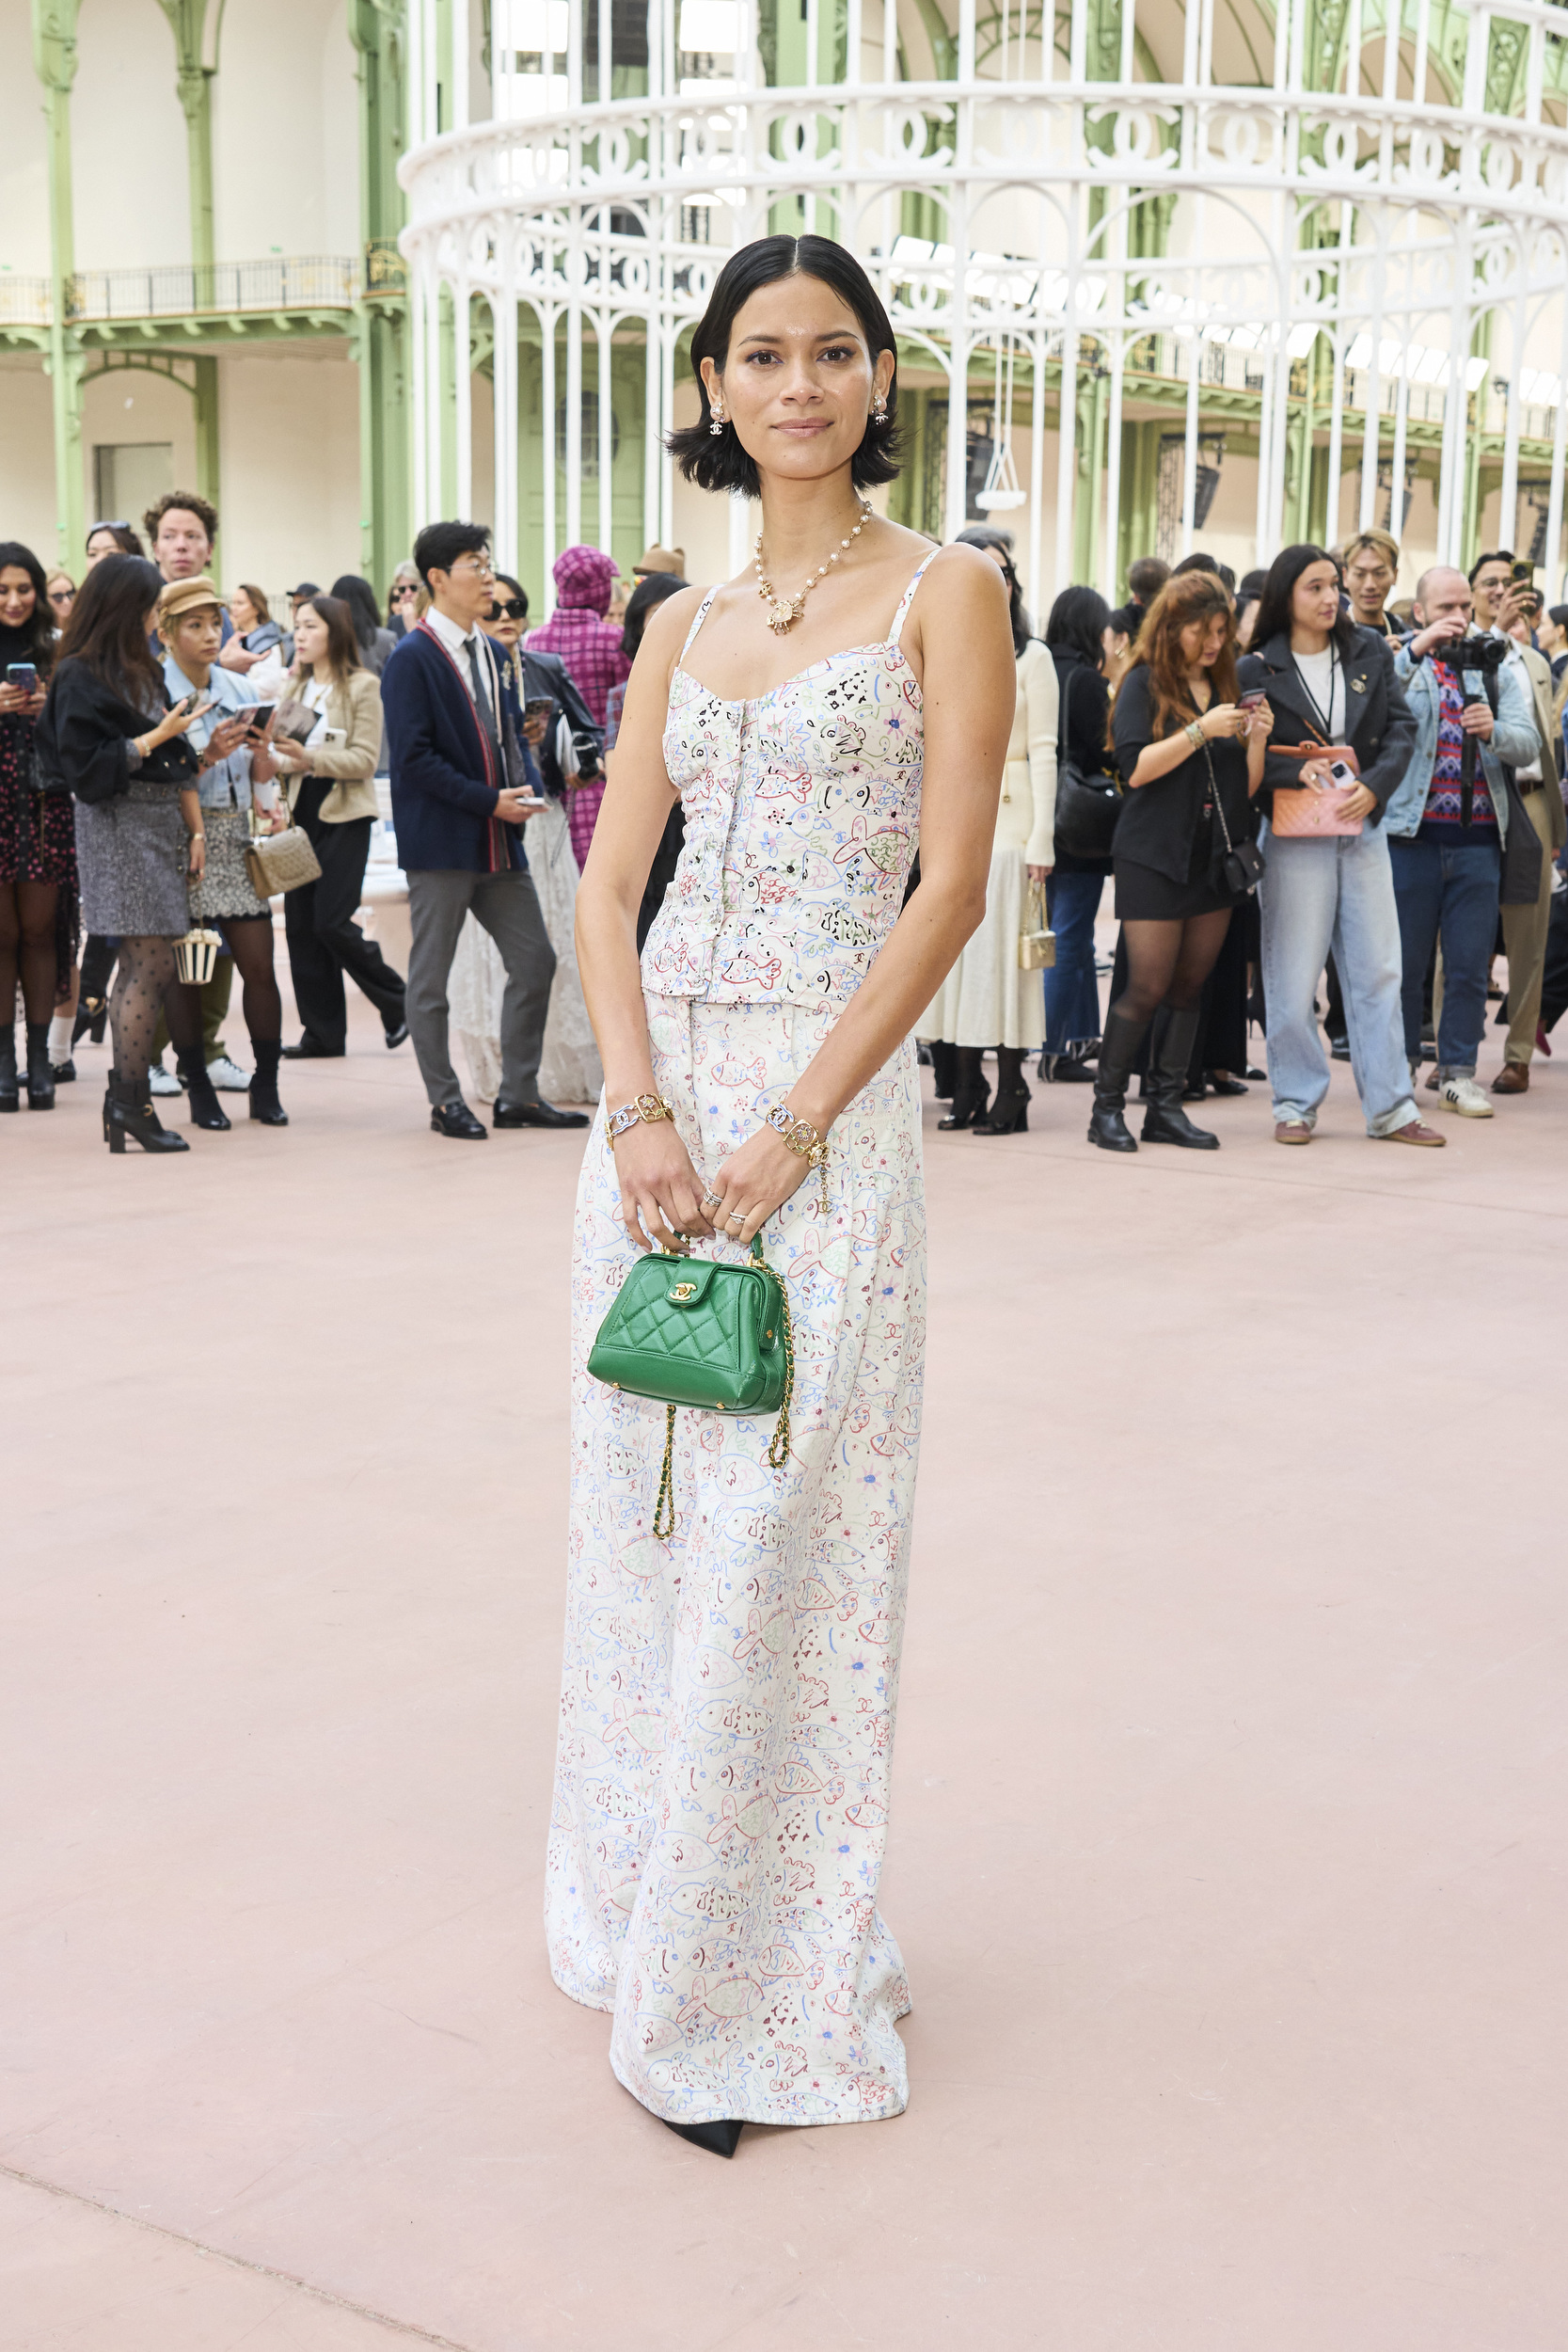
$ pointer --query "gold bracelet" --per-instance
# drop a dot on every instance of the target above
(650, 1109)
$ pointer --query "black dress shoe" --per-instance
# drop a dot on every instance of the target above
(540, 1114)
(64, 1072)
(398, 1036)
(718, 2138)
(308, 1050)
(457, 1120)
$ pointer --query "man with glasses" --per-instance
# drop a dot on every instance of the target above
(463, 788)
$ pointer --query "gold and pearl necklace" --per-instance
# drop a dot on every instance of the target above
(784, 611)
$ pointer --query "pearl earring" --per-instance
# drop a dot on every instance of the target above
(716, 413)
(878, 408)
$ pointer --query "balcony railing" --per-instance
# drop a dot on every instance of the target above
(314, 281)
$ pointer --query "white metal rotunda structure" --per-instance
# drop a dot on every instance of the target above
(1319, 256)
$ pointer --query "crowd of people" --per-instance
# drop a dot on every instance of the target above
(1321, 811)
(1316, 806)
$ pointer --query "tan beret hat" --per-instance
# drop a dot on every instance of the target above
(183, 596)
(662, 560)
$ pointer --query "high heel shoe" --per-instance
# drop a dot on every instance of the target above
(40, 1069)
(92, 1013)
(128, 1112)
(720, 2138)
(206, 1110)
(970, 1091)
(264, 1104)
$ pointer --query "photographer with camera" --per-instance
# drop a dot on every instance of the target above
(1506, 601)
(1448, 821)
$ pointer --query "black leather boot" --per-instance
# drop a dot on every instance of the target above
(1170, 1047)
(944, 1057)
(40, 1069)
(128, 1112)
(92, 1013)
(1120, 1042)
(970, 1091)
(264, 1104)
(1009, 1112)
(9, 1098)
(206, 1110)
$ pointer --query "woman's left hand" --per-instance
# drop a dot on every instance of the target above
(1358, 801)
(1039, 873)
(196, 866)
(753, 1185)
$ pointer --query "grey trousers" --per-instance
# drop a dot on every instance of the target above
(508, 907)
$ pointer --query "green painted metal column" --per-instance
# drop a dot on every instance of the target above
(381, 342)
(55, 62)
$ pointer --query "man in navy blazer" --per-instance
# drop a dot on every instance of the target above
(463, 788)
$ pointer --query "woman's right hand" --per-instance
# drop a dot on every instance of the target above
(197, 865)
(1224, 719)
(662, 1192)
(12, 698)
(178, 721)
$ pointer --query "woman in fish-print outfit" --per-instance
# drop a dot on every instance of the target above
(727, 1702)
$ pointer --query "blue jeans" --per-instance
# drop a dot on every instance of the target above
(1339, 894)
(1451, 894)
(1071, 992)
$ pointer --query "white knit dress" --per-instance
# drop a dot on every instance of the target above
(985, 1000)
(727, 1700)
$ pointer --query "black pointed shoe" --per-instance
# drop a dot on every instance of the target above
(720, 2138)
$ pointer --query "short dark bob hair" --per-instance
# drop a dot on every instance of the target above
(1078, 620)
(1273, 602)
(715, 461)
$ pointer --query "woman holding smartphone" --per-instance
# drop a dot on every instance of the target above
(1331, 681)
(109, 734)
(1190, 762)
(38, 841)
(330, 783)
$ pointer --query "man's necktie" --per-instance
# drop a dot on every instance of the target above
(500, 857)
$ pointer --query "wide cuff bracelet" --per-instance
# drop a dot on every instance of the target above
(800, 1135)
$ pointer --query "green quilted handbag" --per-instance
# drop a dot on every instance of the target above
(699, 1332)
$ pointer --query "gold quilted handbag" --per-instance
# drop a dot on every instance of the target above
(1037, 942)
(278, 862)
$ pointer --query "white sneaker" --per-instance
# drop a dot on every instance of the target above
(228, 1077)
(163, 1081)
(1463, 1096)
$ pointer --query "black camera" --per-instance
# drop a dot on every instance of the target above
(1487, 655)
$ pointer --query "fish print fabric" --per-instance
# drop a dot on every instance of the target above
(722, 1790)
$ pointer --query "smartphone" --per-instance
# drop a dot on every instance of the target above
(1250, 700)
(537, 704)
(259, 717)
(24, 675)
(1522, 572)
(1342, 775)
(192, 704)
(531, 799)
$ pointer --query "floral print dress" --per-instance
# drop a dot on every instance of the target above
(722, 1789)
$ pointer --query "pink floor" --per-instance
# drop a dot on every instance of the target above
(1227, 1853)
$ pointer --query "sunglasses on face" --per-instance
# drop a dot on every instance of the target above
(399, 594)
(509, 608)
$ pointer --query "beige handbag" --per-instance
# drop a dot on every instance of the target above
(1036, 944)
(278, 862)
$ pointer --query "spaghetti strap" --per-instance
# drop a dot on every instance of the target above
(702, 616)
(896, 633)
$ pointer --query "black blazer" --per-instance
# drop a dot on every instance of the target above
(1083, 699)
(1161, 824)
(1379, 726)
(546, 674)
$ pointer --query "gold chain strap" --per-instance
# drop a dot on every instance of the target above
(778, 1453)
(665, 1507)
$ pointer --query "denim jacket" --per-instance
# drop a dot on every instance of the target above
(1513, 738)
(226, 782)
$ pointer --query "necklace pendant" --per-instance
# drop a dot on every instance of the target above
(780, 615)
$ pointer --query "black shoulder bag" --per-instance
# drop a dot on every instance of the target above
(1087, 806)
(1244, 864)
